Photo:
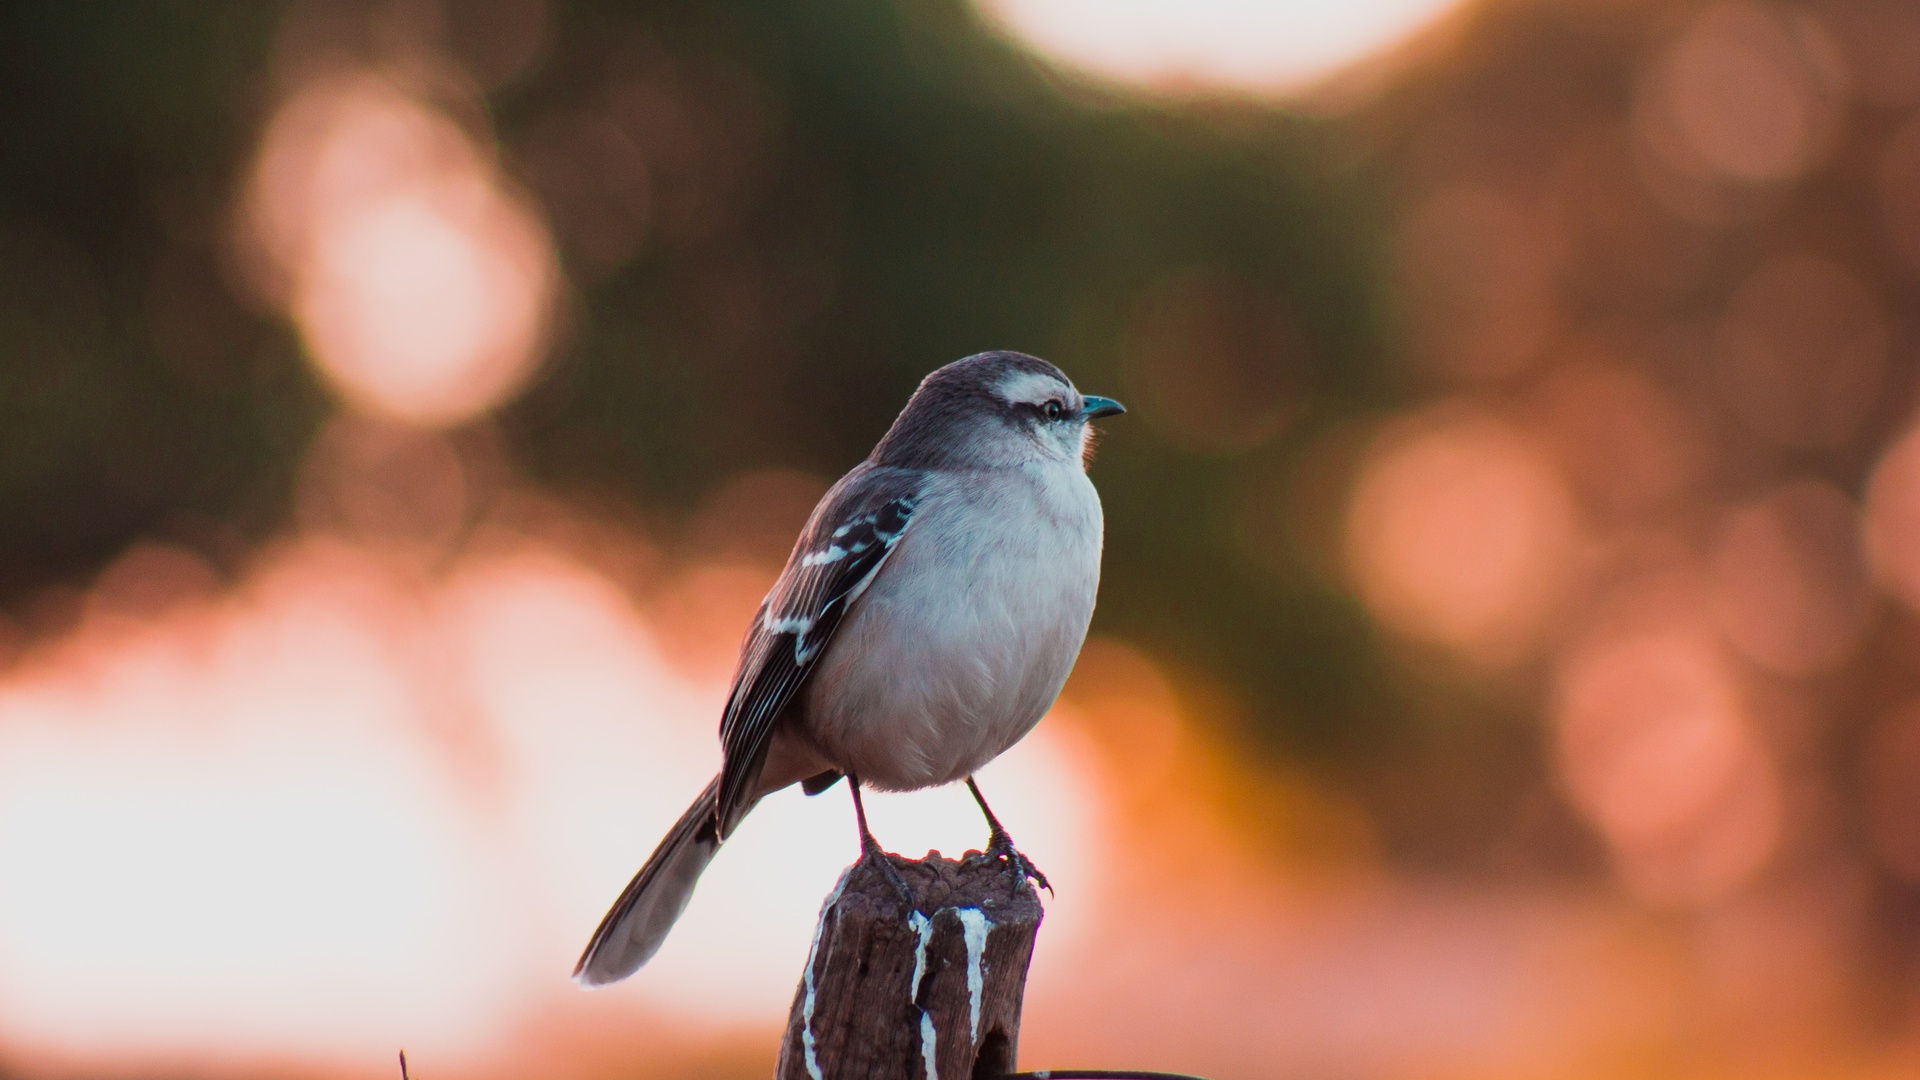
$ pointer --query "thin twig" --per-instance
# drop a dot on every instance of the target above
(403, 1065)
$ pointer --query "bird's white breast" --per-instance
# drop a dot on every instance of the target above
(967, 635)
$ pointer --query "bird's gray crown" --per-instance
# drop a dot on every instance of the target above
(973, 412)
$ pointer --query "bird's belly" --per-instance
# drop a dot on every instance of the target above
(938, 673)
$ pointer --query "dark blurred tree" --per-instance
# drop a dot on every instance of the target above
(839, 196)
(136, 395)
(900, 188)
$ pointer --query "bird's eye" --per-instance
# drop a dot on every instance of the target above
(1052, 410)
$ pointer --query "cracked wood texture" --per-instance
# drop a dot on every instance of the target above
(860, 1014)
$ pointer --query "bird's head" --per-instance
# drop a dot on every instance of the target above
(994, 409)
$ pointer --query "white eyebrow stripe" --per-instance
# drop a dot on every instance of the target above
(1030, 388)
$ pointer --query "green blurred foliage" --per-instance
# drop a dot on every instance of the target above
(890, 187)
(136, 395)
(929, 192)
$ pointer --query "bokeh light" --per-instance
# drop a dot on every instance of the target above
(1461, 531)
(1623, 442)
(1789, 587)
(422, 289)
(1892, 529)
(1657, 751)
(1747, 93)
(1238, 44)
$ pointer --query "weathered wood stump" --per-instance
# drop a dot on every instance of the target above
(933, 992)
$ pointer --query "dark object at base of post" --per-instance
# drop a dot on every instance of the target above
(933, 992)
(1097, 1074)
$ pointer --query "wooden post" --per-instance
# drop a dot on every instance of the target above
(933, 992)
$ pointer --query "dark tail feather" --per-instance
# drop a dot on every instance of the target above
(638, 922)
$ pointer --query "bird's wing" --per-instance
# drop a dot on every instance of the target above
(844, 546)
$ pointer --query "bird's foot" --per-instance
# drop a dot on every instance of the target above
(1000, 846)
(870, 851)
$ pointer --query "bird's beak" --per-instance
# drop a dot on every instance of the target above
(1095, 407)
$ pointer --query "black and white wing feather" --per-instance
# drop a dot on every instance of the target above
(841, 551)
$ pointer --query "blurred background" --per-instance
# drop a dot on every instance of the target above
(1508, 655)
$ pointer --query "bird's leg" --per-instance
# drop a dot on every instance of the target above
(1001, 845)
(870, 848)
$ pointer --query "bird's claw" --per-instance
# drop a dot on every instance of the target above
(1000, 846)
(870, 851)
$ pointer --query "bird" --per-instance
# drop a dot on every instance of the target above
(928, 616)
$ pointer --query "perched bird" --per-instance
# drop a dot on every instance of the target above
(927, 618)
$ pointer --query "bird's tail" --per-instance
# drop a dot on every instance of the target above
(638, 922)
